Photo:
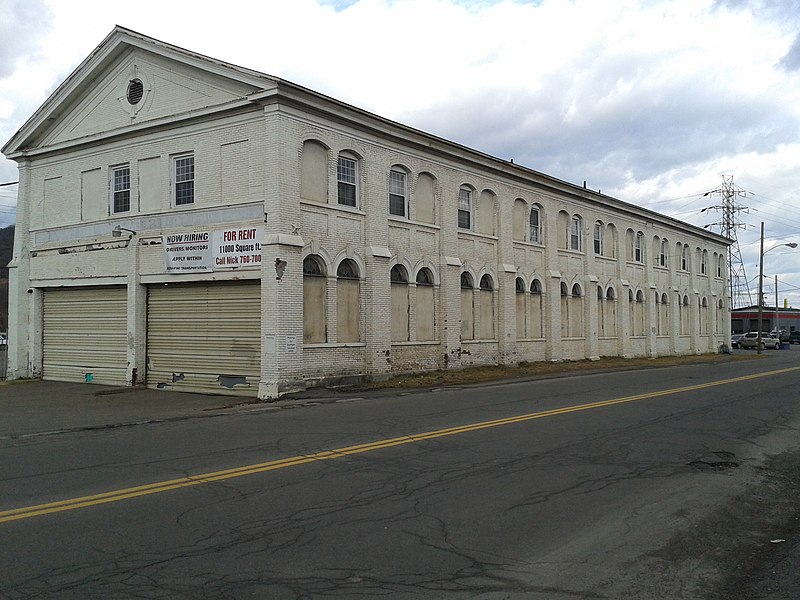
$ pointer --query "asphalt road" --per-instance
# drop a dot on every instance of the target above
(660, 483)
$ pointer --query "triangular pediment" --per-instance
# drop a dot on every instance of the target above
(129, 81)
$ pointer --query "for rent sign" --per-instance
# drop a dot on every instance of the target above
(187, 252)
(238, 247)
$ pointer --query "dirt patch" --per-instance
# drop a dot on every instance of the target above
(484, 374)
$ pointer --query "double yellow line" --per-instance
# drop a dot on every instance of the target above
(284, 463)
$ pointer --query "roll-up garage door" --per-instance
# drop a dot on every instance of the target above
(204, 337)
(84, 335)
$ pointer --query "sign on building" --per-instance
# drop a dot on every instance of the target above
(187, 252)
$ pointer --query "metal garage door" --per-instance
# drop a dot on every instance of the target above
(84, 335)
(204, 337)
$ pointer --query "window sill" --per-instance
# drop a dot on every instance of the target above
(605, 258)
(417, 343)
(570, 252)
(531, 244)
(479, 341)
(336, 207)
(403, 221)
(335, 345)
(470, 233)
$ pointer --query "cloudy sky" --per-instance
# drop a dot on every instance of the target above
(649, 101)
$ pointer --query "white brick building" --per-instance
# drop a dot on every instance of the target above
(272, 237)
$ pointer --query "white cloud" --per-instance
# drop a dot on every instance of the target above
(648, 100)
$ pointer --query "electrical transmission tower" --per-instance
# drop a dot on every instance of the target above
(729, 223)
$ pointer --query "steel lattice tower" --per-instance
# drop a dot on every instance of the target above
(728, 225)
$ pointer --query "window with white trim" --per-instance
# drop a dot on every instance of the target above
(465, 208)
(120, 188)
(535, 228)
(397, 193)
(575, 233)
(598, 238)
(347, 178)
(183, 179)
(637, 247)
(663, 253)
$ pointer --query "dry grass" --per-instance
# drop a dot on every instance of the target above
(483, 374)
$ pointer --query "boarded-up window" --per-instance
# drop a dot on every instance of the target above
(348, 303)
(611, 313)
(484, 219)
(519, 300)
(684, 310)
(564, 310)
(314, 172)
(576, 312)
(601, 312)
(400, 308)
(639, 313)
(520, 216)
(467, 307)
(487, 308)
(314, 294)
(535, 307)
(152, 188)
(235, 173)
(425, 306)
(94, 203)
(425, 199)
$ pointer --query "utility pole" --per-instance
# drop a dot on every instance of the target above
(729, 223)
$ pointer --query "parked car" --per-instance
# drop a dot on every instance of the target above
(735, 340)
(794, 337)
(3, 339)
(750, 341)
(782, 335)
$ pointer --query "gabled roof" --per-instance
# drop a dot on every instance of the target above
(119, 42)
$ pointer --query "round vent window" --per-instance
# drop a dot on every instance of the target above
(135, 91)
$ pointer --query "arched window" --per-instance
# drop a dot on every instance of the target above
(535, 225)
(703, 316)
(485, 212)
(598, 238)
(314, 301)
(465, 207)
(611, 313)
(683, 306)
(535, 312)
(663, 253)
(314, 172)
(704, 263)
(348, 303)
(663, 313)
(576, 311)
(467, 307)
(424, 277)
(487, 307)
(639, 308)
(685, 258)
(521, 309)
(425, 306)
(720, 265)
(400, 305)
(574, 237)
(638, 247)
(425, 199)
(610, 241)
(520, 223)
